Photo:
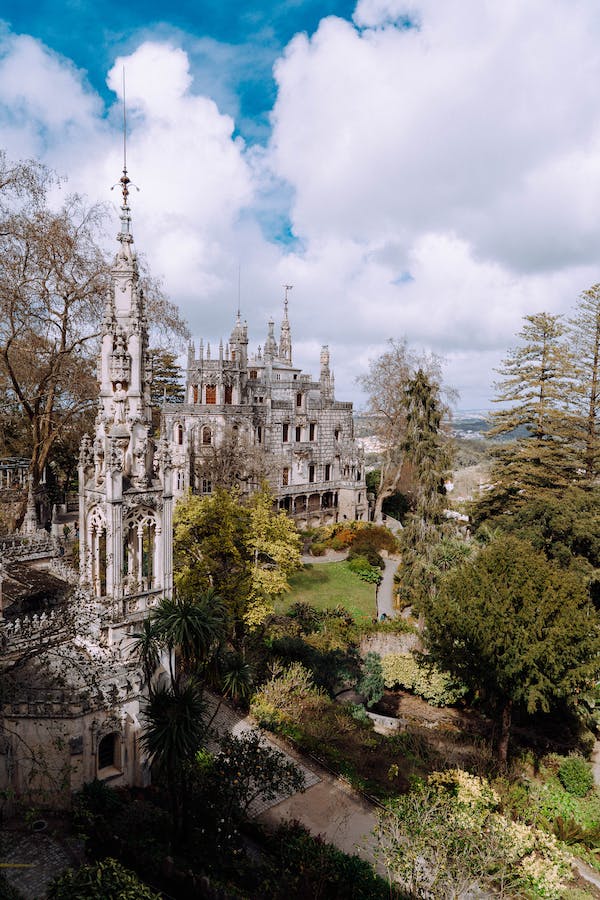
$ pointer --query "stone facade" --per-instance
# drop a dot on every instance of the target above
(73, 713)
(125, 500)
(314, 465)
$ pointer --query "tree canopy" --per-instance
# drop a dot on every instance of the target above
(516, 629)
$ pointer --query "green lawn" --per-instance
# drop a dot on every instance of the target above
(327, 584)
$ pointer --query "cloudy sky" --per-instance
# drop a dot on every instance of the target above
(418, 168)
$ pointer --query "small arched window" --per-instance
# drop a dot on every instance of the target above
(206, 435)
(108, 756)
(298, 399)
(179, 434)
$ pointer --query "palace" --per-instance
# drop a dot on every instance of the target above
(270, 408)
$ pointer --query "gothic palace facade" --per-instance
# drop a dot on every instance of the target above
(314, 466)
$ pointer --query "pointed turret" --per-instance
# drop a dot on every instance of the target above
(285, 342)
(270, 351)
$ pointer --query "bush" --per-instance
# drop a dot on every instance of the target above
(368, 553)
(575, 775)
(361, 566)
(436, 687)
(106, 880)
(307, 867)
(318, 549)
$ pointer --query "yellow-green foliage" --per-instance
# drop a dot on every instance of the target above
(450, 831)
(436, 687)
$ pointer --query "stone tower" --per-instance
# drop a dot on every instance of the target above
(125, 493)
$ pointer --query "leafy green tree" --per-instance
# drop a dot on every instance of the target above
(516, 629)
(105, 880)
(274, 545)
(245, 551)
(247, 769)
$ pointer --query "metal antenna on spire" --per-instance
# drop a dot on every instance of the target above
(287, 287)
(239, 289)
(125, 180)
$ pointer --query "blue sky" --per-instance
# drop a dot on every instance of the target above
(436, 182)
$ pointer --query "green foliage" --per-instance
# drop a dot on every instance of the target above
(427, 681)
(105, 880)
(307, 867)
(448, 835)
(515, 627)
(246, 769)
(575, 775)
(245, 552)
(371, 684)
(361, 566)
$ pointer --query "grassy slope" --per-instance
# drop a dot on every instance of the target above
(327, 584)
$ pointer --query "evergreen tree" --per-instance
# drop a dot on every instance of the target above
(426, 448)
(517, 629)
(536, 388)
(584, 330)
(167, 381)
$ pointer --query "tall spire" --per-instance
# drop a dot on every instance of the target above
(285, 342)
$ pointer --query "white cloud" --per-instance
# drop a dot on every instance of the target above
(441, 179)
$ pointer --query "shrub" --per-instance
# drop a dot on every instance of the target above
(426, 681)
(575, 775)
(308, 867)
(318, 549)
(361, 566)
(106, 880)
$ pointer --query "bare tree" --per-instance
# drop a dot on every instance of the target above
(231, 460)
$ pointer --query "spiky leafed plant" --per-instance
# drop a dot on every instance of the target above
(194, 626)
(174, 730)
(146, 648)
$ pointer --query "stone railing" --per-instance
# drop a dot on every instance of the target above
(25, 547)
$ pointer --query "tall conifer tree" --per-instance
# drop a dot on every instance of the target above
(584, 331)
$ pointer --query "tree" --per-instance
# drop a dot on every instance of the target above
(274, 546)
(245, 551)
(538, 386)
(584, 331)
(232, 461)
(426, 448)
(174, 729)
(516, 629)
(386, 383)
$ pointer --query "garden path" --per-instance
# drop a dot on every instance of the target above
(596, 762)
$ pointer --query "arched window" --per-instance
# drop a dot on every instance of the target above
(285, 476)
(179, 434)
(211, 393)
(298, 399)
(195, 393)
(206, 435)
(228, 394)
(108, 751)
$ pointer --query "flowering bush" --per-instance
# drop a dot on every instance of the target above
(436, 687)
(447, 837)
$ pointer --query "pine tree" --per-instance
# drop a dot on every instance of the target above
(538, 384)
(584, 330)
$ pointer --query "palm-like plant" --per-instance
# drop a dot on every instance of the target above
(174, 731)
(195, 626)
(238, 678)
(146, 648)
